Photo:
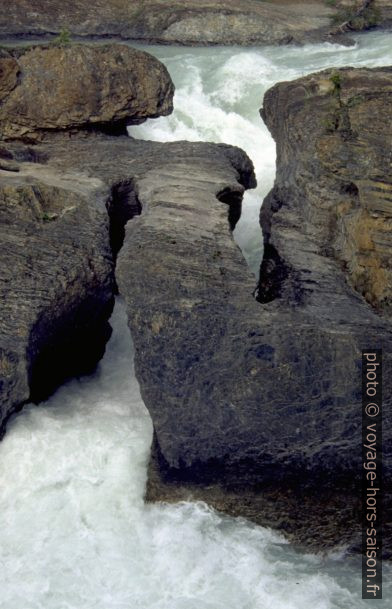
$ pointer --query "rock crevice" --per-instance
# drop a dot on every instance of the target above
(64, 210)
(57, 250)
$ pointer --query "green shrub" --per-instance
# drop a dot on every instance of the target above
(63, 38)
(336, 80)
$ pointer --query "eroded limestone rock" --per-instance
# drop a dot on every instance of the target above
(256, 403)
(333, 192)
(55, 224)
(58, 88)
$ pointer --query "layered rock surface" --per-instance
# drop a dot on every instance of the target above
(56, 259)
(194, 22)
(57, 247)
(56, 281)
(327, 226)
(359, 15)
(56, 88)
(64, 205)
(332, 199)
(260, 404)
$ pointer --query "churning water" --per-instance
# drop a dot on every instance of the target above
(219, 92)
(74, 531)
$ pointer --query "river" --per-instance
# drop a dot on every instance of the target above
(75, 533)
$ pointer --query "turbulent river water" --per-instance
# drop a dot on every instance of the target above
(75, 533)
(219, 92)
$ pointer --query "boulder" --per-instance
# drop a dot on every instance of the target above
(360, 15)
(79, 87)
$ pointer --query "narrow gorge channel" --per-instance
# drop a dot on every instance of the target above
(76, 533)
(219, 92)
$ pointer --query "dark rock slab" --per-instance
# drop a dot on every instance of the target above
(255, 401)
(56, 282)
(62, 224)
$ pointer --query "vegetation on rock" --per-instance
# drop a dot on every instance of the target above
(63, 38)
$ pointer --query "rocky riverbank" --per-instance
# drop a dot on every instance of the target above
(256, 405)
(248, 22)
(57, 279)
(258, 408)
(327, 221)
(59, 242)
(335, 199)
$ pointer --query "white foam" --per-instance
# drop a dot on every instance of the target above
(75, 533)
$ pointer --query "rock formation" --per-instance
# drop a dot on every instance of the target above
(257, 407)
(57, 280)
(335, 199)
(244, 22)
(327, 222)
(56, 284)
(56, 88)
(64, 204)
(359, 15)
(56, 261)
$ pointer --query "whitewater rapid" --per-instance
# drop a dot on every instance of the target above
(219, 92)
(75, 532)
